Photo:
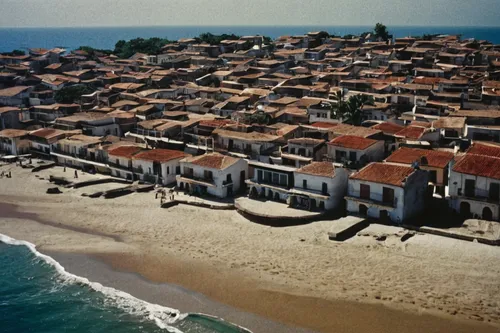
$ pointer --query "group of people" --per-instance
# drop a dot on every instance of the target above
(163, 193)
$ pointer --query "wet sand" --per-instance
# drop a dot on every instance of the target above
(291, 275)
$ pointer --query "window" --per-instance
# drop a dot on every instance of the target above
(304, 183)
(276, 178)
(433, 176)
(339, 155)
(283, 180)
(267, 176)
(259, 176)
(364, 191)
(208, 174)
(494, 191)
(292, 150)
(470, 186)
(117, 162)
(178, 170)
(324, 188)
(352, 156)
(149, 171)
(229, 178)
(168, 170)
(388, 195)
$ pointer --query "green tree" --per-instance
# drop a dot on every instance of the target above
(72, 94)
(126, 49)
(350, 111)
(14, 53)
(381, 31)
(212, 39)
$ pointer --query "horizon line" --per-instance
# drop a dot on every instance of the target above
(244, 26)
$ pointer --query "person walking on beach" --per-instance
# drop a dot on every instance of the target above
(76, 174)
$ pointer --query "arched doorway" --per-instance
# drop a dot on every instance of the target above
(187, 187)
(465, 210)
(322, 205)
(313, 204)
(181, 186)
(269, 194)
(487, 214)
(363, 210)
(384, 216)
(277, 197)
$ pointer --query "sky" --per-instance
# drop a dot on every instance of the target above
(82, 13)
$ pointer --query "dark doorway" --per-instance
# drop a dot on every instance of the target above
(242, 180)
(365, 191)
(465, 210)
(494, 194)
(363, 210)
(388, 196)
(470, 185)
(384, 216)
(253, 193)
(230, 144)
(270, 194)
(487, 214)
(313, 204)
(277, 197)
(230, 191)
(322, 205)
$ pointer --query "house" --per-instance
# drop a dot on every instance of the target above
(475, 182)
(15, 96)
(319, 185)
(355, 149)
(158, 165)
(10, 117)
(388, 192)
(434, 161)
(120, 161)
(41, 140)
(231, 105)
(270, 181)
(302, 151)
(214, 174)
(13, 142)
(73, 150)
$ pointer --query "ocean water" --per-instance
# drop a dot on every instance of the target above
(37, 295)
(106, 37)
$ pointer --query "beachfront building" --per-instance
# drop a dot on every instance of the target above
(433, 161)
(10, 117)
(388, 192)
(319, 185)
(270, 181)
(302, 151)
(41, 140)
(355, 149)
(475, 182)
(158, 166)
(120, 161)
(73, 151)
(14, 142)
(213, 174)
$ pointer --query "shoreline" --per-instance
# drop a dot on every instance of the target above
(260, 271)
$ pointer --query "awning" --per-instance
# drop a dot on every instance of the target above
(194, 181)
(310, 193)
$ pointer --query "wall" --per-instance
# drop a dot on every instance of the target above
(375, 153)
(415, 194)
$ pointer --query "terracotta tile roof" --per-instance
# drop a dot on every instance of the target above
(213, 161)
(12, 91)
(12, 133)
(323, 169)
(8, 109)
(478, 165)
(159, 155)
(411, 132)
(306, 141)
(124, 151)
(476, 113)
(323, 125)
(437, 159)
(484, 148)
(344, 129)
(450, 122)
(384, 173)
(388, 128)
(47, 133)
(252, 136)
(352, 142)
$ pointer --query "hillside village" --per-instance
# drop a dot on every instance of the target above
(376, 125)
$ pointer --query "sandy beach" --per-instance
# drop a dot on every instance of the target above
(291, 275)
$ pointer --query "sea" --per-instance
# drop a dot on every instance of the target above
(106, 37)
(37, 295)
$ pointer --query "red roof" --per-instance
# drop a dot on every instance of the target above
(125, 151)
(388, 128)
(384, 173)
(352, 142)
(159, 155)
(324, 169)
(437, 159)
(324, 125)
(214, 161)
(478, 165)
(486, 149)
(411, 132)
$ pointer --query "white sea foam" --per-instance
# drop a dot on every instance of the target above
(163, 316)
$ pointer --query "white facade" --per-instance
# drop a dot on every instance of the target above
(480, 200)
(374, 153)
(213, 181)
(147, 171)
(335, 187)
(408, 201)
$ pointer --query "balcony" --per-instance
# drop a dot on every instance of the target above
(375, 200)
(82, 153)
(478, 195)
(120, 167)
(191, 179)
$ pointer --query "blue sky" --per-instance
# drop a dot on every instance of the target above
(79, 13)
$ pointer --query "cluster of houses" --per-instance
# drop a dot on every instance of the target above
(245, 117)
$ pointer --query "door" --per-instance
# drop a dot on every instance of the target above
(242, 180)
(230, 145)
(364, 191)
(470, 185)
(388, 195)
(487, 214)
(384, 216)
(363, 210)
(494, 194)
(465, 210)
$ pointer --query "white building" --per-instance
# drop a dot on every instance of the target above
(13, 142)
(73, 150)
(302, 151)
(158, 165)
(475, 183)
(355, 149)
(214, 174)
(270, 181)
(15, 96)
(319, 185)
(388, 192)
(120, 162)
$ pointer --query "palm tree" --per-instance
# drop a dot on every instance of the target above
(336, 108)
(352, 110)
